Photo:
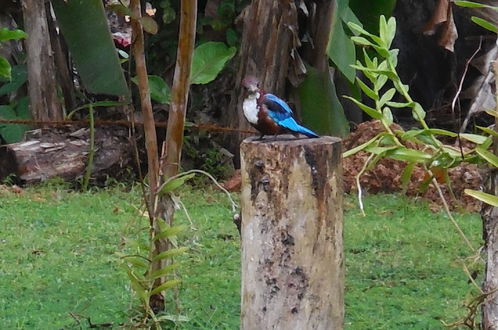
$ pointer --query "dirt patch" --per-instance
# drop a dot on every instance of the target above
(386, 176)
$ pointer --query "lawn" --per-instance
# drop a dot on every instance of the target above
(58, 263)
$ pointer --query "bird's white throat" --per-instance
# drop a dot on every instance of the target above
(250, 107)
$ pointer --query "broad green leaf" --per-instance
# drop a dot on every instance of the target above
(361, 147)
(170, 231)
(367, 90)
(86, 32)
(406, 175)
(474, 138)
(173, 318)
(19, 75)
(149, 24)
(452, 152)
(387, 73)
(347, 15)
(136, 283)
(119, 9)
(358, 29)
(7, 34)
(165, 286)
(12, 133)
(488, 156)
(493, 113)
(368, 110)
(431, 131)
(368, 61)
(175, 183)
(159, 90)
(361, 41)
(136, 261)
(170, 253)
(485, 24)
(418, 112)
(341, 49)
(387, 97)
(5, 68)
(381, 81)
(208, 61)
(438, 131)
(380, 150)
(488, 130)
(164, 271)
(482, 196)
(399, 104)
(320, 107)
(383, 33)
(390, 34)
(409, 155)
(471, 4)
(387, 116)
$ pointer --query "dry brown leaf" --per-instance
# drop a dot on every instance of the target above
(439, 16)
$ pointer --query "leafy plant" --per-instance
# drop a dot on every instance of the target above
(18, 109)
(138, 267)
(382, 85)
(159, 90)
(91, 152)
(85, 29)
(478, 20)
(6, 35)
(208, 61)
(14, 77)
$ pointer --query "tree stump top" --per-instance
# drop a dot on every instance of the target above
(291, 140)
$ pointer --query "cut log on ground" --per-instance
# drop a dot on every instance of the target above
(63, 153)
(292, 244)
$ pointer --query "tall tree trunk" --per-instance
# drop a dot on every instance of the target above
(268, 29)
(42, 85)
(489, 216)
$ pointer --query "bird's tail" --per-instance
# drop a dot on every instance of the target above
(293, 126)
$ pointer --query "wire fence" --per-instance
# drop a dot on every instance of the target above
(59, 123)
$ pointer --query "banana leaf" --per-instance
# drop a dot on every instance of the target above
(84, 26)
(320, 106)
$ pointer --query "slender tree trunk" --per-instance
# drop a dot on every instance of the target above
(42, 85)
(171, 153)
(292, 240)
(490, 227)
(145, 102)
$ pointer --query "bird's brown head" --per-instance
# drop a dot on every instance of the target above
(251, 83)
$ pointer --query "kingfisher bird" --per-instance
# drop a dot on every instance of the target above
(269, 114)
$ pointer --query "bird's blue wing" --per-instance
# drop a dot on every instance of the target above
(276, 104)
(293, 126)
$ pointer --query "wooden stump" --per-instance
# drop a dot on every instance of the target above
(292, 245)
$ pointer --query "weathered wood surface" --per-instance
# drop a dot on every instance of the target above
(42, 84)
(292, 244)
(63, 153)
(489, 216)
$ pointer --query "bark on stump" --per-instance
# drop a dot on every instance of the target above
(292, 245)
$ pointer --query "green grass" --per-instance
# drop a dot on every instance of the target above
(57, 257)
